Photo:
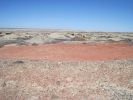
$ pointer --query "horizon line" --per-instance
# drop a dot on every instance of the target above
(63, 29)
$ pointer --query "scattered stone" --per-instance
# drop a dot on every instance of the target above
(4, 84)
(34, 44)
(58, 82)
(69, 79)
(59, 63)
(19, 62)
(1, 45)
(54, 97)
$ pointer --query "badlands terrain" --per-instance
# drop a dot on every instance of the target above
(43, 64)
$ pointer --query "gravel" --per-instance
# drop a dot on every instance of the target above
(65, 80)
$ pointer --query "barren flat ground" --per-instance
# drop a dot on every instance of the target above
(69, 51)
(38, 64)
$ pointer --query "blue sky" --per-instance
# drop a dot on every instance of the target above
(91, 15)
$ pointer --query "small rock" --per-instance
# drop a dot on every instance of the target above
(68, 79)
(4, 84)
(58, 82)
(59, 63)
(18, 62)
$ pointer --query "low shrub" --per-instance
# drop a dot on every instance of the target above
(8, 33)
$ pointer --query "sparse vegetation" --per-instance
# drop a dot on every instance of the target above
(44, 37)
(21, 38)
(72, 34)
(78, 38)
(32, 78)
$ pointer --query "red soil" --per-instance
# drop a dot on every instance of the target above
(107, 51)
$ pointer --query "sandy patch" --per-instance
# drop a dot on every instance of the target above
(106, 51)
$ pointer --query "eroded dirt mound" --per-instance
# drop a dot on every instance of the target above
(38, 36)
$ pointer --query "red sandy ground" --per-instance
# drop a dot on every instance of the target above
(106, 51)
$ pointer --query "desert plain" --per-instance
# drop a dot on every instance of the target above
(53, 64)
